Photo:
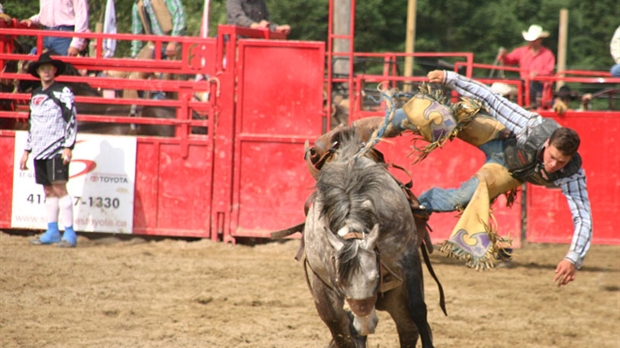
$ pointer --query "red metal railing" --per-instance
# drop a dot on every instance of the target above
(190, 64)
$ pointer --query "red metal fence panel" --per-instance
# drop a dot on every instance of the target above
(7, 148)
(548, 216)
(173, 194)
(279, 107)
(174, 176)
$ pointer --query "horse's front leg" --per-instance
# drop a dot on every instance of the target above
(340, 322)
(395, 303)
(414, 283)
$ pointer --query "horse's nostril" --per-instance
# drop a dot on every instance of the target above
(364, 307)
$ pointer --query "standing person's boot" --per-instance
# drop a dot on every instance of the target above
(51, 236)
(69, 238)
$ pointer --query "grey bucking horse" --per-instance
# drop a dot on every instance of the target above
(362, 247)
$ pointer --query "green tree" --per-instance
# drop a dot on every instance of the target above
(480, 26)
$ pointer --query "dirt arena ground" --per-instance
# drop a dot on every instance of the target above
(175, 293)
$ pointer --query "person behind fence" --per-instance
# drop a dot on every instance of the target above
(3, 16)
(533, 59)
(520, 146)
(252, 14)
(62, 15)
(51, 138)
(614, 48)
(158, 17)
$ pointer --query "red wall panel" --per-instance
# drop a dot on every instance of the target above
(7, 148)
(548, 217)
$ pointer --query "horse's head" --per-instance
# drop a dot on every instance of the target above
(348, 188)
(358, 273)
(356, 262)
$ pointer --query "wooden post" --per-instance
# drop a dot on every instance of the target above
(562, 35)
(342, 26)
(410, 42)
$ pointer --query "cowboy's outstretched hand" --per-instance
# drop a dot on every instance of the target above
(564, 273)
(559, 106)
(436, 76)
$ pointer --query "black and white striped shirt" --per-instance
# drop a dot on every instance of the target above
(53, 122)
(520, 122)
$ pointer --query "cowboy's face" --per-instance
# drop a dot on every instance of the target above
(46, 72)
(553, 158)
(536, 43)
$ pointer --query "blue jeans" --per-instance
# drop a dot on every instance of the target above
(445, 200)
(60, 45)
(615, 70)
(536, 91)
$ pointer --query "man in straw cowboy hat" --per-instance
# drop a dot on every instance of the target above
(51, 137)
(534, 59)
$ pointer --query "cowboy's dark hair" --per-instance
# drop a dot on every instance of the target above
(566, 140)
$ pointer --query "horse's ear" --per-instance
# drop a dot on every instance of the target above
(372, 238)
(334, 240)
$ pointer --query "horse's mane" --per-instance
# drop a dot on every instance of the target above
(349, 188)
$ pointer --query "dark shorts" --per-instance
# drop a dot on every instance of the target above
(51, 170)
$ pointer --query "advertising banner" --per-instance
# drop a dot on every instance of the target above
(101, 183)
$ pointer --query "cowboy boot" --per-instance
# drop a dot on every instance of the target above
(366, 126)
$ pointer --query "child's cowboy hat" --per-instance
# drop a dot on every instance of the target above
(45, 59)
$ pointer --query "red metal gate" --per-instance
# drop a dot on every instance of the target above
(279, 107)
(174, 176)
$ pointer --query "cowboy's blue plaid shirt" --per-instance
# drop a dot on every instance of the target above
(520, 121)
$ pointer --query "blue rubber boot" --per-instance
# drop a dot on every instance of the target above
(51, 236)
(69, 238)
